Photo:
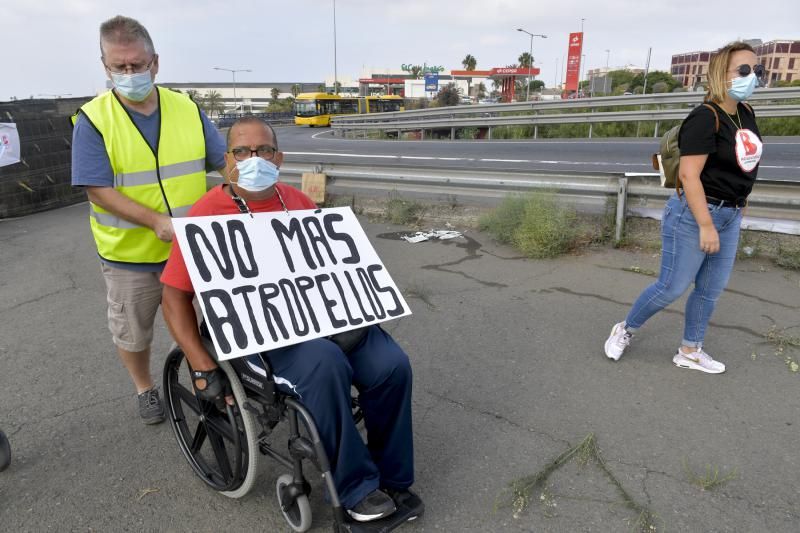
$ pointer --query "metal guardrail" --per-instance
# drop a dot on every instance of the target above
(774, 205)
(761, 95)
(562, 118)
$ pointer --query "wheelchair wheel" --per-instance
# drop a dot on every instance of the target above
(298, 516)
(5, 452)
(221, 447)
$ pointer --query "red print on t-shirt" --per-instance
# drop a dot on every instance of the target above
(748, 149)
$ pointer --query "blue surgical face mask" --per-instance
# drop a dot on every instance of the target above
(134, 87)
(256, 174)
(742, 88)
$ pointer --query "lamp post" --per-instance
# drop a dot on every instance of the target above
(233, 73)
(605, 79)
(530, 59)
(335, 73)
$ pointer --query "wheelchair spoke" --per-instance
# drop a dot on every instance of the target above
(221, 454)
(199, 438)
(220, 425)
(188, 398)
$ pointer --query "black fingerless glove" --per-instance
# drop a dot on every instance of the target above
(217, 386)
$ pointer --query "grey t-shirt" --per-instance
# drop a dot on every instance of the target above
(91, 166)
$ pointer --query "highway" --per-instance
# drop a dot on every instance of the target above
(781, 159)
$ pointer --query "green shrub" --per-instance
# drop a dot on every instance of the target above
(403, 212)
(502, 222)
(548, 229)
(788, 257)
(537, 224)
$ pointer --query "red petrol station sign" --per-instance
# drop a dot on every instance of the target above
(515, 71)
(574, 61)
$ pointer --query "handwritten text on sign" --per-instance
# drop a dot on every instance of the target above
(277, 279)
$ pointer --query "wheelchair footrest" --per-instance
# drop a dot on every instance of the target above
(407, 510)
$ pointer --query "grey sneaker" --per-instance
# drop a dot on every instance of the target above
(377, 504)
(150, 408)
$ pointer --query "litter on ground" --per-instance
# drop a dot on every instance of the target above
(433, 234)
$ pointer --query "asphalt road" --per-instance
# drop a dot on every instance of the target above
(781, 154)
(509, 374)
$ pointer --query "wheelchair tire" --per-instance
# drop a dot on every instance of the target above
(5, 452)
(299, 515)
(207, 443)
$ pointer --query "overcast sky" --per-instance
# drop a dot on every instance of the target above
(51, 46)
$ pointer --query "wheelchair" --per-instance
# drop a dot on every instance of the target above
(5, 452)
(224, 448)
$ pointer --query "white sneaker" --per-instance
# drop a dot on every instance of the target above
(698, 360)
(617, 341)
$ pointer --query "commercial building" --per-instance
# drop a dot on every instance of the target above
(780, 58)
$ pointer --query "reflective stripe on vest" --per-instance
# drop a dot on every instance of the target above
(171, 179)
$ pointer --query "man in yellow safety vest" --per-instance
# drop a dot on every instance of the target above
(142, 153)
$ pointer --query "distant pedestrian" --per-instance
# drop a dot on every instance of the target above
(700, 228)
(141, 152)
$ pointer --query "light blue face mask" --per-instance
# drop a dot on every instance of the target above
(134, 87)
(742, 88)
(256, 174)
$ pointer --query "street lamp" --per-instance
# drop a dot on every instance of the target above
(233, 73)
(605, 80)
(530, 59)
(335, 73)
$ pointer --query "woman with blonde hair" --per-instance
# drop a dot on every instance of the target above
(720, 148)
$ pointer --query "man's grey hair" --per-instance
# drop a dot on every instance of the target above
(125, 30)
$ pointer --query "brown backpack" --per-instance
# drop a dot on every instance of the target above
(668, 158)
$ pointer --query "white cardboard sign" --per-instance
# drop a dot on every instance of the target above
(276, 279)
(9, 144)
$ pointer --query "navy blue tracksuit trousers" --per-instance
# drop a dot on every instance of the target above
(320, 374)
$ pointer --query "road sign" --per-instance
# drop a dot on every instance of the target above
(432, 82)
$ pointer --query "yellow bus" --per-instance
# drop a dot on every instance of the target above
(316, 109)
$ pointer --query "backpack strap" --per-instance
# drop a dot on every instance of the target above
(716, 130)
(716, 116)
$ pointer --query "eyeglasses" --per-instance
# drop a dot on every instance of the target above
(130, 68)
(265, 151)
(745, 70)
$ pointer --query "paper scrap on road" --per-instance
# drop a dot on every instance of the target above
(421, 236)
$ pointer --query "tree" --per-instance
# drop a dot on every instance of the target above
(275, 92)
(194, 94)
(213, 102)
(416, 71)
(481, 91)
(295, 90)
(321, 88)
(469, 62)
(448, 96)
(637, 82)
(525, 60)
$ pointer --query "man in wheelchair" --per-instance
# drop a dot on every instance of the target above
(370, 478)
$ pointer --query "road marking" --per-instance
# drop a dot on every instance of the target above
(345, 155)
(506, 160)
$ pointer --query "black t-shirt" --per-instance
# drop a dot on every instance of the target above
(733, 154)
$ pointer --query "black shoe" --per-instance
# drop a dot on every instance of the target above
(406, 499)
(376, 505)
(150, 408)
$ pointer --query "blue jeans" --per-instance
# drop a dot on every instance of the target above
(683, 262)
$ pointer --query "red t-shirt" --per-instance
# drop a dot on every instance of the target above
(217, 201)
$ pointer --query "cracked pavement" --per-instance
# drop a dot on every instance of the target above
(509, 373)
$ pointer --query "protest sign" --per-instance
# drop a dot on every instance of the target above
(279, 278)
(9, 144)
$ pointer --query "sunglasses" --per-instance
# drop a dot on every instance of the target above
(745, 70)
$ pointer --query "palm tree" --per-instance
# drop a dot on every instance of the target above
(194, 94)
(213, 102)
(416, 70)
(295, 89)
(525, 60)
(275, 92)
(469, 62)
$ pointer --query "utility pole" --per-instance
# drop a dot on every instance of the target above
(530, 59)
(335, 72)
(233, 73)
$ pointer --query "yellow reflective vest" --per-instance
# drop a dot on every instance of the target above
(168, 180)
